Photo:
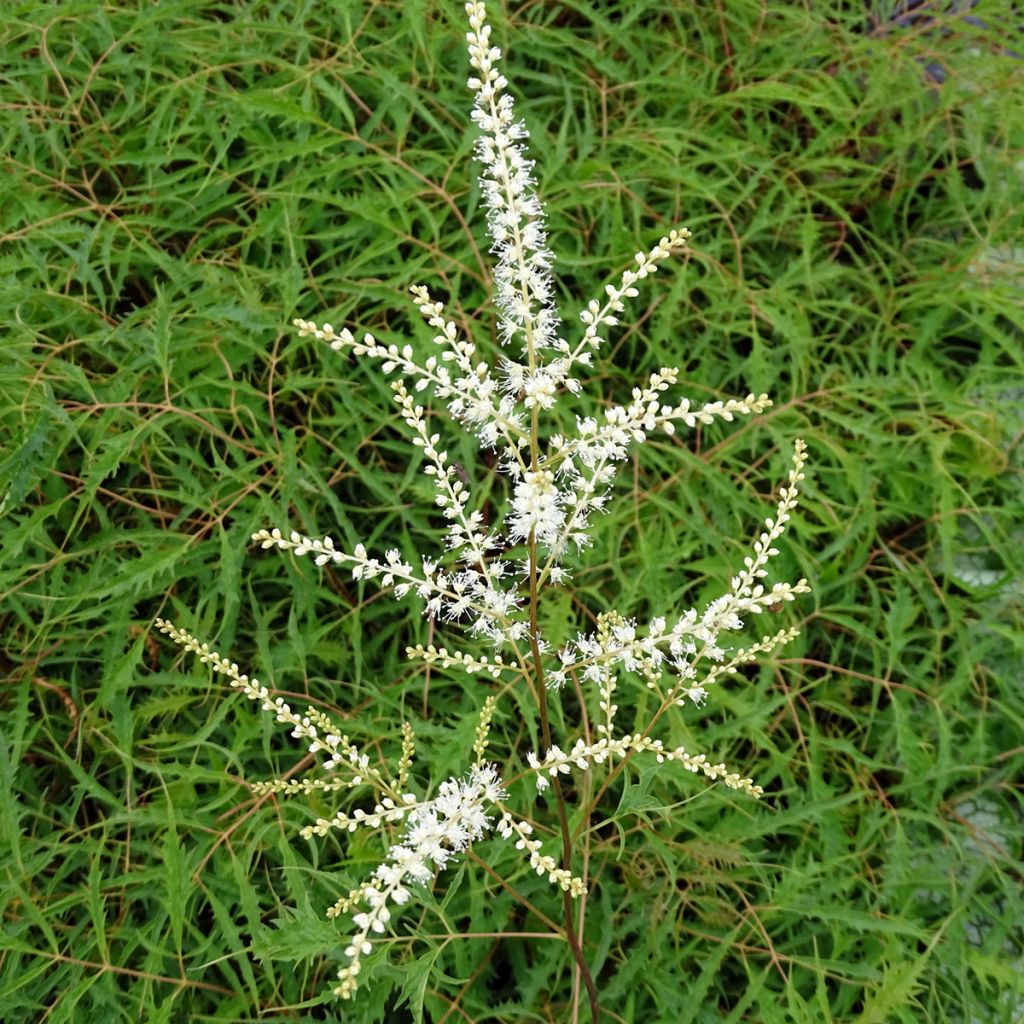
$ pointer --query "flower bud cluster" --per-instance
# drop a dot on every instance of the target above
(598, 315)
(314, 728)
(508, 828)
(431, 655)
(583, 755)
(385, 811)
(473, 399)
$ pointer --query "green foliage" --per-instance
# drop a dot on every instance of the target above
(184, 178)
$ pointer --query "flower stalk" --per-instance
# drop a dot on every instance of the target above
(490, 577)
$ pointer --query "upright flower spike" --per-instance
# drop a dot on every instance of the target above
(515, 218)
(557, 480)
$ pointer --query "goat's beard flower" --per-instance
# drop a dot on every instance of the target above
(557, 482)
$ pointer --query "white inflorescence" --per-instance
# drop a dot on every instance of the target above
(557, 480)
(435, 832)
(515, 219)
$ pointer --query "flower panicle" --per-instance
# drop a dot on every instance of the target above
(585, 755)
(694, 637)
(510, 827)
(523, 288)
(484, 664)
(599, 314)
(558, 483)
(464, 594)
(313, 727)
(436, 832)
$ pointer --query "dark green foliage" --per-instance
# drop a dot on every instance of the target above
(183, 178)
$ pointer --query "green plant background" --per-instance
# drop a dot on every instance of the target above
(183, 178)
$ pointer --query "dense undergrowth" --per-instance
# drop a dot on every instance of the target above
(183, 178)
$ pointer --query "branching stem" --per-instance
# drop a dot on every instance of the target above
(563, 817)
